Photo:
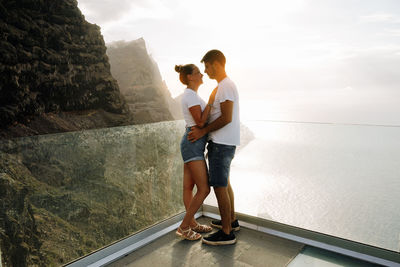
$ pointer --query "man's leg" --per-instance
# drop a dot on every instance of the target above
(219, 158)
(224, 205)
(225, 236)
(232, 201)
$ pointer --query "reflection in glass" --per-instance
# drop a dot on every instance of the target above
(66, 195)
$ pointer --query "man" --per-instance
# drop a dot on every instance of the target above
(224, 136)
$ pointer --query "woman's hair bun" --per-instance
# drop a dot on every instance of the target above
(178, 68)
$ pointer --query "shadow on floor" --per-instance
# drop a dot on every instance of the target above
(252, 249)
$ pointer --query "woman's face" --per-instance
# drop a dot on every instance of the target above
(196, 76)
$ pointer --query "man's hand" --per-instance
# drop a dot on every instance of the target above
(195, 134)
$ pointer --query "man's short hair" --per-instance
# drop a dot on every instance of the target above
(214, 55)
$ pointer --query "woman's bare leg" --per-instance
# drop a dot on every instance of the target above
(198, 173)
(188, 185)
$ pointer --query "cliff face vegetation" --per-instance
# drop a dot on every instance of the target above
(20, 242)
(65, 195)
(140, 82)
(54, 62)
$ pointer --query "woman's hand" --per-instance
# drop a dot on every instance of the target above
(212, 96)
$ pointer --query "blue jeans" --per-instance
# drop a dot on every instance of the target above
(192, 151)
(219, 160)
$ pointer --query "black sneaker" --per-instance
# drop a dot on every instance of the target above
(220, 238)
(218, 224)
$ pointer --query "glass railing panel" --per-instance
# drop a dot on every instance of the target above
(340, 180)
(66, 195)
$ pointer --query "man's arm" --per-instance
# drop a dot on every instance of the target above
(201, 117)
(221, 121)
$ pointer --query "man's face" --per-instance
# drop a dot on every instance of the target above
(210, 70)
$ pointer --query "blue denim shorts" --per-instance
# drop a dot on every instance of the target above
(192, 151)
(219, 162)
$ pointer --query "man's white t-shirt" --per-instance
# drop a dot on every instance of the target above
(230, 133)
(189, 99)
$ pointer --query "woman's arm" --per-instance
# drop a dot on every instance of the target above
(221, 121)
(201, 117)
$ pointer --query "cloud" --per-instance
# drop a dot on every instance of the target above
(110, 11)
(237, 15)
(392, 32)
(374, 69)
(103, 11)
(380, 18)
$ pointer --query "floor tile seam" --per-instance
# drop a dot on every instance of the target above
(181, 259)
(164, 255)
(240, 261)
(277, 255)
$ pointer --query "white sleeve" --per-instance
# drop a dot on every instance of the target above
(192, 100)
(226, 93)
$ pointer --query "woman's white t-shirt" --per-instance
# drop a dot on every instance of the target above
(190, 99)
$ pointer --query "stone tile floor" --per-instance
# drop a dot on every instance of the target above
(252, 249)
(316, 257)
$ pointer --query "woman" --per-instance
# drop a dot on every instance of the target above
(195, 113)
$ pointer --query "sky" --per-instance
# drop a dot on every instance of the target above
(292, 60)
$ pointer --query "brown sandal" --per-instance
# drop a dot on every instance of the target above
(188, 234)
(202, 228)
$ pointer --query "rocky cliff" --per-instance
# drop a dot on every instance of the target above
(65, 199)
(140, 82)
(65, 195)
(54, 62)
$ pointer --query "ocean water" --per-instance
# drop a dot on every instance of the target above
(337, 179)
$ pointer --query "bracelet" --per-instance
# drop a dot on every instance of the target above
(210, 105)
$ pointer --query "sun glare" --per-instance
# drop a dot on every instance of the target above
(275, 49)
